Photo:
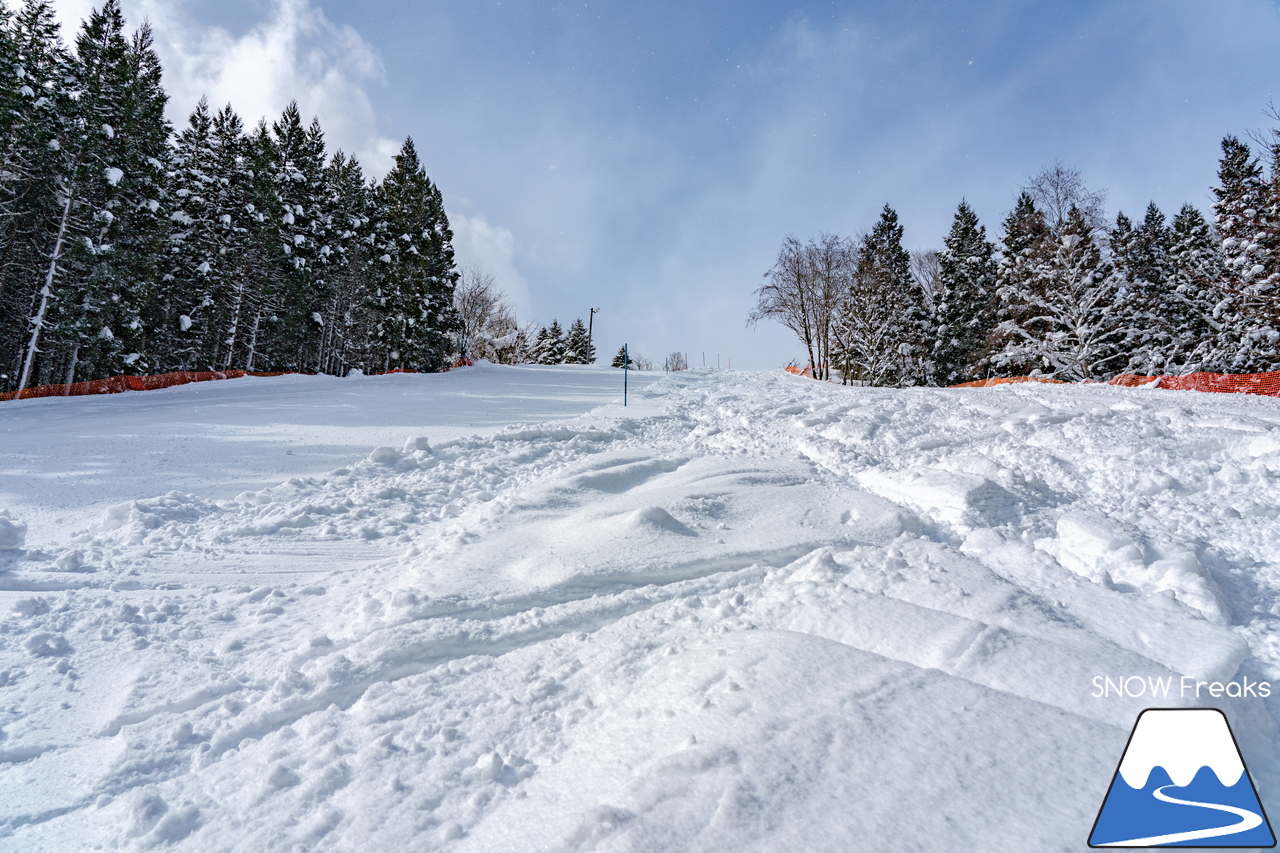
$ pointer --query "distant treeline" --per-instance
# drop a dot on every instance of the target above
(1065, 292)
(128, 249)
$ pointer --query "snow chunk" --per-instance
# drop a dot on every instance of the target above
(72, 561)
(184, 322)
(384, 456)
(418, 442)
(204, 268)
(110, 133)
(282, 777)
(30, 606)
(113, 175)
(874, 520)
(949, 496)
(659, 518)
(12, 533)
(1097, 548)
(105, 333)
(44, 644)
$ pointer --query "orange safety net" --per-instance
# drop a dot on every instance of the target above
(1008, 380)
(1266, 384)
(808, 371)
(118, 384)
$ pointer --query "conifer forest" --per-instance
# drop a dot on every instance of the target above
(128, 248)
(1064, 293)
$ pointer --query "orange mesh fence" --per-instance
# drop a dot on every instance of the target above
(118, 384)
(1266, 384)
(1008, 380)
(808, 371)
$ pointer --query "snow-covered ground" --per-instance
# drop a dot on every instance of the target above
(748, 612)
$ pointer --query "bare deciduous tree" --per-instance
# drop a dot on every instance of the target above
(674, 361)
(489, 326)
(926, 269)
(1057, 188)
(803, 291)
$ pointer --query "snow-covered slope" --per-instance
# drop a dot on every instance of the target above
(749, 612)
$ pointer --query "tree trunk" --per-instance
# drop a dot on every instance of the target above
(37, 322)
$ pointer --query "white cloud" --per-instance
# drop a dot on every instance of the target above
(296, 53)
(491, 248)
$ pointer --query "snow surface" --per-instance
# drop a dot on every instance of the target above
(493, 610)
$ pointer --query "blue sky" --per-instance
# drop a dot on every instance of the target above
(649, 158)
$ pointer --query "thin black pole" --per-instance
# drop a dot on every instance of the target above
(591, 316)
(626, 368)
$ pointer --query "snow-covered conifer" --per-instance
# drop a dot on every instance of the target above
(102, 258)
(1146, 313)
(578, 348)
(1195, 267)
(882, 328)
(964, 299)
(1025, 245)
(1065, 323)
(413, 267)
(1248, 340)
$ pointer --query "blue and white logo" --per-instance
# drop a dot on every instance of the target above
(1181, 783)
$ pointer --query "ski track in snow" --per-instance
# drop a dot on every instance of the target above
(750, 612)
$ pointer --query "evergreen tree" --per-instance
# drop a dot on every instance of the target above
(1066, 321)
(621, 359)
(552, 347)
(1247, 340)
(964, 299)
(350, 209)
(239, 275)
(882, 331)
(578, 349)
(1195, 266)
(1026, 245)
(300, 282)
(33, 69)
(185, 336)
(414, 267)
(101, 274)
(1141, 258)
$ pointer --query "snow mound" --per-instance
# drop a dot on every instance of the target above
(12, 533)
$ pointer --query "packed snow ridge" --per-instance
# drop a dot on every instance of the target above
(748, 612)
